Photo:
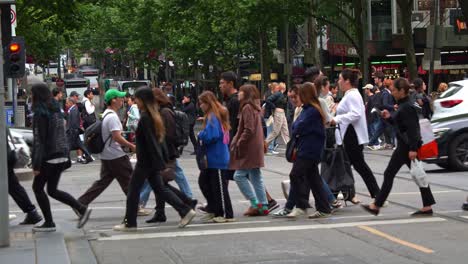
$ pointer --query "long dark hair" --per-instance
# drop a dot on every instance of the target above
(251, 96)
(161, 98)
(308, 95)
(42, 100)
(215, 107)
(146, 96)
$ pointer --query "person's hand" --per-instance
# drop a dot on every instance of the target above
(332, 122)
(395, 107)
(412, 155)
(133, 148)
(201, 118)
(36, 172)
(385, 114)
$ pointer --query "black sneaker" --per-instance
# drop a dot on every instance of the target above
(272, 205)
(465, 206)
(157, 218)
(45, 227)
(32, 218)
(84, 218)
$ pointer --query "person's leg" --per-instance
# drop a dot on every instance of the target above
(136, 182)
(227, 175)
(378, 130)
(355, 154)
(298, 177)
(205, 188)
(54, 171)
(316, 183)
(39, 182)
(291, 201)
(256, 178)
(284, 128)
(215, 188)
(276, 128)
(193, 139)
(18, 193)
(122, 170)
(181, 180)
(100, 185)
(145, 193)
(330, 196)
(426, 193)
(398, 159)
(241, 178)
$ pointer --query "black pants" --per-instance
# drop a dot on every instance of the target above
(210, 183)
(356, 157)
(18, 193)
(161, 190)
(193, 139)
(398, 159)
(304, 177)
(161, 203)
(50, 175)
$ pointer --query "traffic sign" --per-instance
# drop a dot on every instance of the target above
(13, 15)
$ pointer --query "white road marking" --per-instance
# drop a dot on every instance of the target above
(464, 216)
(434, 192)
(267, 229)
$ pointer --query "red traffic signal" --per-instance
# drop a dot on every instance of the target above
(15, 47)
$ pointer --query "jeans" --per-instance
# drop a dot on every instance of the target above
(271, 146)
(376, 129)
(242, 178)
(181, 181)
(145, 193)
(398, 159)
(50, 175)
(155, 180)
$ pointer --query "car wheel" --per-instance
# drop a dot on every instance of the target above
(458, 153)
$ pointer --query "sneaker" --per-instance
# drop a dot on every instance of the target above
(230, 220)
(80, 160)
(282, 213)
(272, 205)
(219, 219)
(31, 218)
(187, 218)
(125, 228)
(318, 215)
(275, 147)
(203, 208)
(207, 218)
(296, 212)
(84, 218)
(465, 206)
(143, 212)
(336, 204)
(45, 227)
(385, 204)
(11, 217)
(272, 153)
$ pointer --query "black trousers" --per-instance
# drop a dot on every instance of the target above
(161, 190)
(50, 175)
(193, 139)
(210, 182)
(305, 177)
(356, 157)
(398, 159)
(18, 193)
(161, 203)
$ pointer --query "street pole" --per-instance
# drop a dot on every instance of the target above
(287, 53)
(433, 47)
(4, 213)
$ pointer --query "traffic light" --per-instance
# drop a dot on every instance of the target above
(15, 58)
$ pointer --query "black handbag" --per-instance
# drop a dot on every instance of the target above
(291, 149)
(200, 155)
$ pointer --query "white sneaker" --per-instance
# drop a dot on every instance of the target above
(296, 212)
(187, 218)
(272, 152)
(207, 218)
(143, 212)
(124, 228)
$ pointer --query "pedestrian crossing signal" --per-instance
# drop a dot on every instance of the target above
(15, 58)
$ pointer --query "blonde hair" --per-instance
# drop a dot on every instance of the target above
(308, 95)
(215, 107)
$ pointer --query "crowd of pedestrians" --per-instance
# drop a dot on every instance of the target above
(236, 133)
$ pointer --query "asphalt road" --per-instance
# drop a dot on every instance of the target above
(349, 236)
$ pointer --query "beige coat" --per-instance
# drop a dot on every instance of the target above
(247, 144)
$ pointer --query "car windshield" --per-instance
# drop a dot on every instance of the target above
(453, 89)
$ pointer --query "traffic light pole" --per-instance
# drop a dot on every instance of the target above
(4, 213)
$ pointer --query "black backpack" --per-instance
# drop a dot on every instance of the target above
(182, 123)
(93, 137)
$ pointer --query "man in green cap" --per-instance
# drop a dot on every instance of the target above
(115, 164)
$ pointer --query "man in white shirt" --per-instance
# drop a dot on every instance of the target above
(88, 115)
(115, 162)
(351, 119)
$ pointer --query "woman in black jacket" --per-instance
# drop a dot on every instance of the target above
(152, 157)
(191, 111)
(406, 123)
(50, 156)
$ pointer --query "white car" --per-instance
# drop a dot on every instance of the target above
(453, 103)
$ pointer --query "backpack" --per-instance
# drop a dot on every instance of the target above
(182, 123)
(93, 137)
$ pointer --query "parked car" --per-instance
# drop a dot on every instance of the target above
(23, 134)
(18, 141)
(450, 125)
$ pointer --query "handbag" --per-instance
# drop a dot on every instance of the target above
(168, 174)
(418, 174)
(19, 155)
(200, 155)
(429, 148)
(291, 149)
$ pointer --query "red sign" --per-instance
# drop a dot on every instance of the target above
(60, 83)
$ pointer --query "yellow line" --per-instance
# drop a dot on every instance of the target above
(397, 240)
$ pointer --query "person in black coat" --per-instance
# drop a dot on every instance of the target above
(406, 122)
(191, 111)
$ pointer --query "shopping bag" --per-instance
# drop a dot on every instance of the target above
(429, 148)
(418, 174)
(291, 149)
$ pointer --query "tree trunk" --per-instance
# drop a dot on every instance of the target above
(265, 66)
(406, 9)
(312, 40)
(360, 21)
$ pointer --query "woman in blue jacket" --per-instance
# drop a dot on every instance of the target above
(309, 131)
(215, 136)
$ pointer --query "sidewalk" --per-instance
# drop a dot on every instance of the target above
(65, 246)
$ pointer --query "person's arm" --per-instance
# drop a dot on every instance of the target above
(116, 132)
(211, 132)
(353, 114)
(387, 102)
(248, 118)
(40, 141)
(134, 113)
(411, 122)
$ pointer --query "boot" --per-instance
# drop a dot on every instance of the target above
(157, 218)
(32, 218)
